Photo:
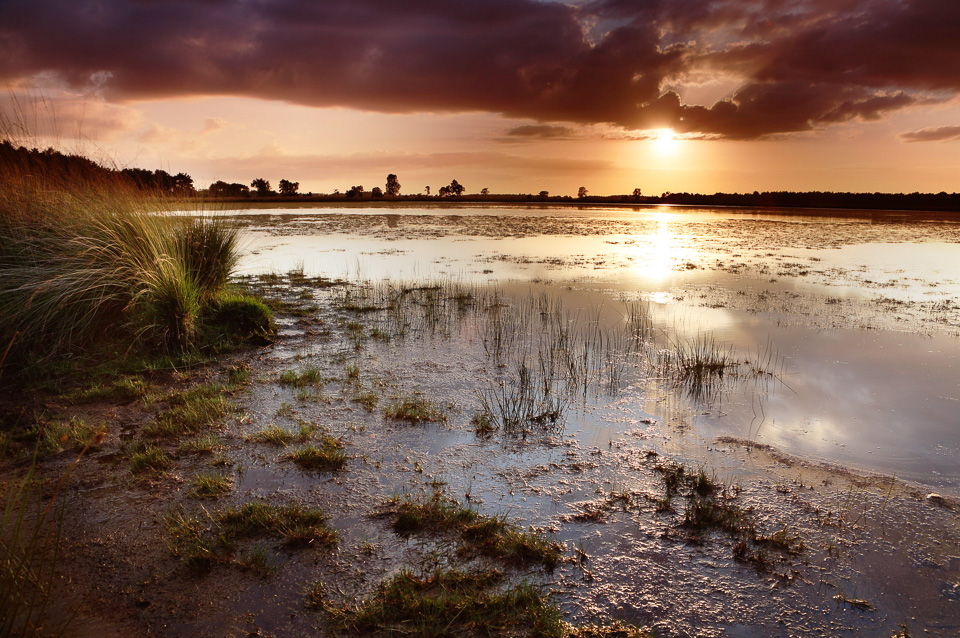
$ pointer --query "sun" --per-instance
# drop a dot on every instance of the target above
(665, 141)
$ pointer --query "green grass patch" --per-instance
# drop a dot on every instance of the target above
(415, 409)
(148, 458)
(302, 379)
(199, 407)
(57, 435)
(210, 485)
(451, 602)
(325, 455)
(211, 538)
(477, 534)
(203, 444)
(277, 435)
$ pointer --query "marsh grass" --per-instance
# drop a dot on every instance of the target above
(145, 457)
(478, 535)
(710, 505)
(30, 530)
(325, 455)
(57, 435)
(204, 540)
(201, 406)
(276, 435)
(415, 409)
(304, 378)
(89, 258)
(126, 388)
(210, 485)
(449, 602)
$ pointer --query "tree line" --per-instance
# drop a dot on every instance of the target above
(52, 163)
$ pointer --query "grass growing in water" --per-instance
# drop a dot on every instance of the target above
(210, 485)
(326, 455)
(478, 534)
(277, 435)
(202, 541)
(450, 602)
(199, 407)
(414, 409)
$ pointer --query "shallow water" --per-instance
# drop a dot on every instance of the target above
(861, 317)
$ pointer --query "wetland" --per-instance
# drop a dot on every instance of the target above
(531, 420)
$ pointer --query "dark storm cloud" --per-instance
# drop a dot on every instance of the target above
(938, 134)
(801, 64)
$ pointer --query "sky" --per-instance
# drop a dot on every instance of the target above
(517, 96)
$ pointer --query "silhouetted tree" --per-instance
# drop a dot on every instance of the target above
(428, 190)
(484, 191)
(355, 191)
(183, 184)
(393, 186)
(288, 187)
(223, 189)
(582, 192)
(444, 191)
(636, 193)
(262, 186)
(376, 191)
(455, 189)
(544, 194)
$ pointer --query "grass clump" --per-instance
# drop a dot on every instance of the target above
(296, 524)
(202, 541)
(199, 407)
(210, 486)
(478, 534)
(53, 437)
(451, 602)
(89, 257)
(126, 388)
(280, 436)
(710, 505)
(148, 458)
(307, 377)
(415, 409)
(325, 455)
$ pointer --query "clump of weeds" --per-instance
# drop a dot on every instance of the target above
(307, 377)
(477, 534)
(199, 407)
(277, 435)
(147, 457)
(325, 455)
(709, 504)
(415, 409)
(449, 602)
(210, 485)
(202, 541)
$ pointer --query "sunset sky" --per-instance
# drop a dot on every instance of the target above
(511, 95)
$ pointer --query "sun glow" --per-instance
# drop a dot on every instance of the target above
(665, 141)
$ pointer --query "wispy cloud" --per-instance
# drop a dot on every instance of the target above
(938, 134)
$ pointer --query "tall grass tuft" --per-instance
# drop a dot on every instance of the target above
(87, 257)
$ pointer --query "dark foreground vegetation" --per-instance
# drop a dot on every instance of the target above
(89, 259)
